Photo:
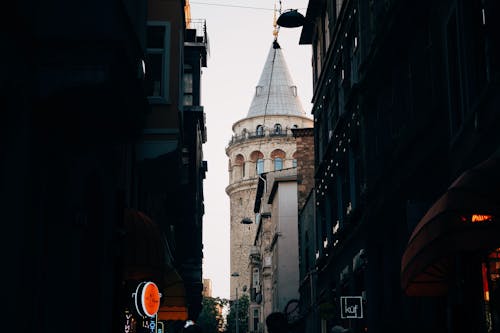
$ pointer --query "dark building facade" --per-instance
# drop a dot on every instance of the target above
(406, 98)
(102, 171)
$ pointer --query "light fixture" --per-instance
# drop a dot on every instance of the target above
(291, 18)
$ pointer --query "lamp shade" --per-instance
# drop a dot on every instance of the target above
(291, 19)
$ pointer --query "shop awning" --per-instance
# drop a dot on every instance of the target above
(146, 253)
(465, 219)
(146, 256)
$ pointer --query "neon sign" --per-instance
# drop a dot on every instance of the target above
(476, 218)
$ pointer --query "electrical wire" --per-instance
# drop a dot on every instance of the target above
(226, 5)
(234, 6)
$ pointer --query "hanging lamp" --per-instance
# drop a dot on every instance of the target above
(291, 18)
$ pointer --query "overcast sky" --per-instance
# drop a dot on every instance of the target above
(240, 39)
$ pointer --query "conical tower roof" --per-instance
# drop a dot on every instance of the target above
(275, 93)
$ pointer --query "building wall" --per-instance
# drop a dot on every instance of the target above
(286, 249)
(305, 163)
(396, 84)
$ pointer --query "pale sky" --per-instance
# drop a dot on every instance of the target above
(240, 39)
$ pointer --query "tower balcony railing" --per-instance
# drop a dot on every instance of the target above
(260, 134)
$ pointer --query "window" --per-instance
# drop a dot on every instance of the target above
(255, 319)
(278, 164)
(454, 84)
(294, 163)
(255, 278)
(157, 61)
(260, 166)
(188, 85)
(277, 129)
(258, 90)
(260, 130)
(339, 6)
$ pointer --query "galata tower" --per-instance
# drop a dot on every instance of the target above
(261, 142)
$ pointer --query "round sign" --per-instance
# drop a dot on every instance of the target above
(147, 299)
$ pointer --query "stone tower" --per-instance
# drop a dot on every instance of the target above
(261, 142)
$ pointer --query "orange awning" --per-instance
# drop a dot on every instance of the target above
(448, 228)
(173, 313)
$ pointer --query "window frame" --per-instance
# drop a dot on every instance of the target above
(278, 159)
(259, 162)
(278, 129)
(259, 130)
(164, 97)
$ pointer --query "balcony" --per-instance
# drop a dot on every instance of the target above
(260, 135)
(196, 36)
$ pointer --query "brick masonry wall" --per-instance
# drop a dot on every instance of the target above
(305, 163)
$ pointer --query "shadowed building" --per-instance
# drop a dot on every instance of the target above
(403, 221)
(101, 163)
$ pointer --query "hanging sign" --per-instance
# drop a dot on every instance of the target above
(351, 307)
(147, 299)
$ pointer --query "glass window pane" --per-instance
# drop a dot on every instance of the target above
(188, 99)
(260, 130)
(260, 166)
(155, 37)
(278, 163)
(153, 79)
(188, 82)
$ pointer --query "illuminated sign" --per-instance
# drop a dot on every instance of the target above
(149, 324)
(351, 307)
(129, 322)
(476, 218)
(147, 299)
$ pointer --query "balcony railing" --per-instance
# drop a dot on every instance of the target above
(261, 134)
(197, 32)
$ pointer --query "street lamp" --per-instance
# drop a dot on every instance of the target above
(235, 274)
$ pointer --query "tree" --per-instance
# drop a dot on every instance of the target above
(243, 303)
(210, 318)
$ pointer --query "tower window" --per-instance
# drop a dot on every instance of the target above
(260, 166)
(277, 129)
(278, 163)
(260, 130)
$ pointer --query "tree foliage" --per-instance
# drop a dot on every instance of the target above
(242, 305)
(211, 318)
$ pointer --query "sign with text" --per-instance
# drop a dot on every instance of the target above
(351, 307)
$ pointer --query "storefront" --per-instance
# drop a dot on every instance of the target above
(454, 251)
(153, 297)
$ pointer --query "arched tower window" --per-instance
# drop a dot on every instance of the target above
(277, 129)
(278, 163)
(239, 167)
(260, 166)
(259, 130)
(294, 160)
(278, 156)
(258, 158)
